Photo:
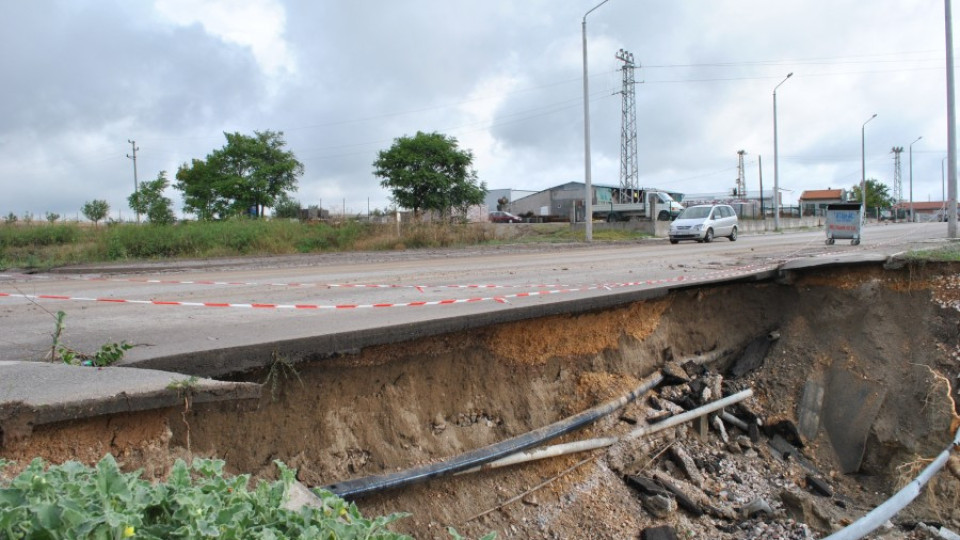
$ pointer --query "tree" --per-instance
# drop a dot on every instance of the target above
(95, 210)
(149, 200)
(200, 184)
(52, 217)
(286, 207)
(247, 173)
(429, 172)
(878, 195)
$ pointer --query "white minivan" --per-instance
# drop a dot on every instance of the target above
(704, 222)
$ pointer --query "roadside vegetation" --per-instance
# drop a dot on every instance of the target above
(196, 501)
(947, 253)
(40, 245)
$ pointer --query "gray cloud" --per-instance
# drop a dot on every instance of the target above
(503, 77)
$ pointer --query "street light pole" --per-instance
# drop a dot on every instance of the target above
(863, 170)
(776, 160)
(913, 218)
(588, 196)
(951, 126)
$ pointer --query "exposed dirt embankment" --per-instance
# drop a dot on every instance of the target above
(882, 345)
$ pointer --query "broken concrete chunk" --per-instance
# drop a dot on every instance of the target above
(666, 405)
(660, 506)
(683, 500)
(686, 463)
(721, 430)
(811, 405)
(675, 393)
(804, 507)
(645, 485)
(299, 496)
(756, 508)
(819, 486)
(674, 374)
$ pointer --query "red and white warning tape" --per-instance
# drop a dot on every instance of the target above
(745, 270)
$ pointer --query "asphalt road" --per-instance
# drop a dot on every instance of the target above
(223, 308)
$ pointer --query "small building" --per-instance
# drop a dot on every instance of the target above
(563, 202)
(925, 211)
(813, 202)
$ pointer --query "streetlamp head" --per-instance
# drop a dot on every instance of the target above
(789, 74)
(874, 116)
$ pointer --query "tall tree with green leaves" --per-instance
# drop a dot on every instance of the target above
(148, 200)
(429, 172)
(95, 210)
(247, 173)
(878, 195)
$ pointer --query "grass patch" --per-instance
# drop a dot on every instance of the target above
(947, 253)
(42, 246)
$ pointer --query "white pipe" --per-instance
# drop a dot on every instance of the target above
(729, 418)
(690, 415)
(545, 452)
(879, 515)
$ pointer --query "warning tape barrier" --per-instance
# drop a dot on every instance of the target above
(503, 299)
(315, 285)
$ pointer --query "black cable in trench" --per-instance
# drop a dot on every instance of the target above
(353, 489)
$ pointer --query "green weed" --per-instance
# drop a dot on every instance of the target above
(280, 367)
(108, 354)
(197, 501)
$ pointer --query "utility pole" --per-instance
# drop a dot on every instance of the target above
(763, 212)
(897, 182)
(136, 186)
(951, 127)
(629, 174)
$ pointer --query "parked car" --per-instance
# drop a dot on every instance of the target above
(498, 216)
(705, 222)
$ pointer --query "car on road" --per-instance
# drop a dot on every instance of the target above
(498, 216)
(705, 222)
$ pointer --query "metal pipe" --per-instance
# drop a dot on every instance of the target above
(727, 417)
(545, 452)
(690, 415)
(879, 515)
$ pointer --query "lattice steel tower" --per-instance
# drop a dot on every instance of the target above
(741, 175)
(897, 184)
(629, 174)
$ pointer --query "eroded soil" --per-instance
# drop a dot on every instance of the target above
(393, 407)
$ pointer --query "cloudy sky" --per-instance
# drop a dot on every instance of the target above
(343, 79)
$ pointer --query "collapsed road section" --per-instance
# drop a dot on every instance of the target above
(847, 375)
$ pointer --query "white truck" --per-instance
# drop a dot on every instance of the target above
(618, 204)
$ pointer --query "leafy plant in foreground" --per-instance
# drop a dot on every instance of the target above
(197, 501)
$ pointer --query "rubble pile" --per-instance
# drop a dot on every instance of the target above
(731, 474)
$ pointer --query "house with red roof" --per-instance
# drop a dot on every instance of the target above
(813, 202)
